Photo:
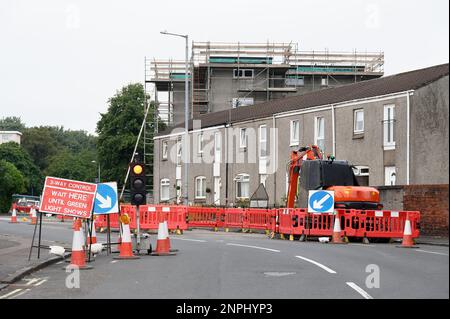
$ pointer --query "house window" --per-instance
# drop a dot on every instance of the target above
(319, 133)
(388, 127)
(242, 101)
(242, 186)
(263, 141)
(165, 148)
(165, 189)
(243, 138)
(324, 81)
(390, 175)
(200, 143)
(295, 133)
(200, 187)
(358, 121)
(243, 73)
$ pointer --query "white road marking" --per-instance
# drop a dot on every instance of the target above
(187, 239)
(256, 247)
(31, 281)
(21, 293)
(114, 261)
(59, 262)
(331, 271)
(365, 245)
(431, 252)
(40, 282)
(10, 293)
(359, 290)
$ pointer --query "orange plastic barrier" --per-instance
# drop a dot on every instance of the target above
(234, 218)
(255, 218)
(203, 216)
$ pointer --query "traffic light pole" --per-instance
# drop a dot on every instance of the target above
(138, 227)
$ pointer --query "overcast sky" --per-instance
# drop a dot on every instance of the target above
(60, 60)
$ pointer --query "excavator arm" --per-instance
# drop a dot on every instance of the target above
(310, 152)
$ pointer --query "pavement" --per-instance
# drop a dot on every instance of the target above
(241, 265)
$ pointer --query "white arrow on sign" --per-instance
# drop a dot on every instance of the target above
(104, 202)
(319, 204)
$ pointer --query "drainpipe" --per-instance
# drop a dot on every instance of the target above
(333, 124)
(407, 135)
(275, 156)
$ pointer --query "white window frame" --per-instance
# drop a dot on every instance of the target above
(263, 179)
(295, 140)
(355, 121)
(316, 132)
(165, 150)
(388, 173)
(242, 71)
(242, 178)
(243, 138)
(389, 127)
(200, 143)
(166, 183)
(242, 101)
(263, 142)
(200, 192)
(324, 81)
(217, 147)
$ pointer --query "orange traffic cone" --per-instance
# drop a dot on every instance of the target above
(126, 246)
(166, 230)
(33, 216)
(78, 258)
(13, 215)
(163, 242)
(93, 239)
(336, 239)
(407, 241)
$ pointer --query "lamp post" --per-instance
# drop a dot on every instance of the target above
(98, 181)
(186, 112)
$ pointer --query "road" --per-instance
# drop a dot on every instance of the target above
(241, 265)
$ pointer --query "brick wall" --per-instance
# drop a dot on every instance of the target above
(432, 202)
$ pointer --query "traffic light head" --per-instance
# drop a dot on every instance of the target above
(137, 184)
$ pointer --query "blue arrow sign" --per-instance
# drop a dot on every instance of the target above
(321, 201)
(106, 199)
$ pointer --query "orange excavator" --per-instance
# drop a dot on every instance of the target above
(308, 168)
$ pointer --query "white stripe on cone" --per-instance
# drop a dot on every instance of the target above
(14, 213)
(78, 240)
(161, 232)
(337, 225)
(408, 230)
(94, 234)
(126, 237)
(166, 229)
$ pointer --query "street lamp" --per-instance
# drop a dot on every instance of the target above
(186, 113)
(98, 181)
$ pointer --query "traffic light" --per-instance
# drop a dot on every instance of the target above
(137, 184)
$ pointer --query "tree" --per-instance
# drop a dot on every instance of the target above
(11, 182)
(72, 166)
(16, 155)
(118, 129)
(11, 123)
(40, 144)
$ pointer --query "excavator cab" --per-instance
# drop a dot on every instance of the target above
(337, 176)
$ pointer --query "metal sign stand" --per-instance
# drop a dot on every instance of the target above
(39, 237)
(108, 235)
(90, 233)
(138, 227)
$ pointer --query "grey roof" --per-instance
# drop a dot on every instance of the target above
(401, 82)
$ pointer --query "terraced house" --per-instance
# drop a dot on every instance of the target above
(394, 130)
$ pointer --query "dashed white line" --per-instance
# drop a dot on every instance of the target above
(31, 281)
(431, 252)
(256, 247)
(331, 271)
(187, 239)
(40, 282)
(359, 290)
(114, 261)
(10, 293)
(21, 293)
